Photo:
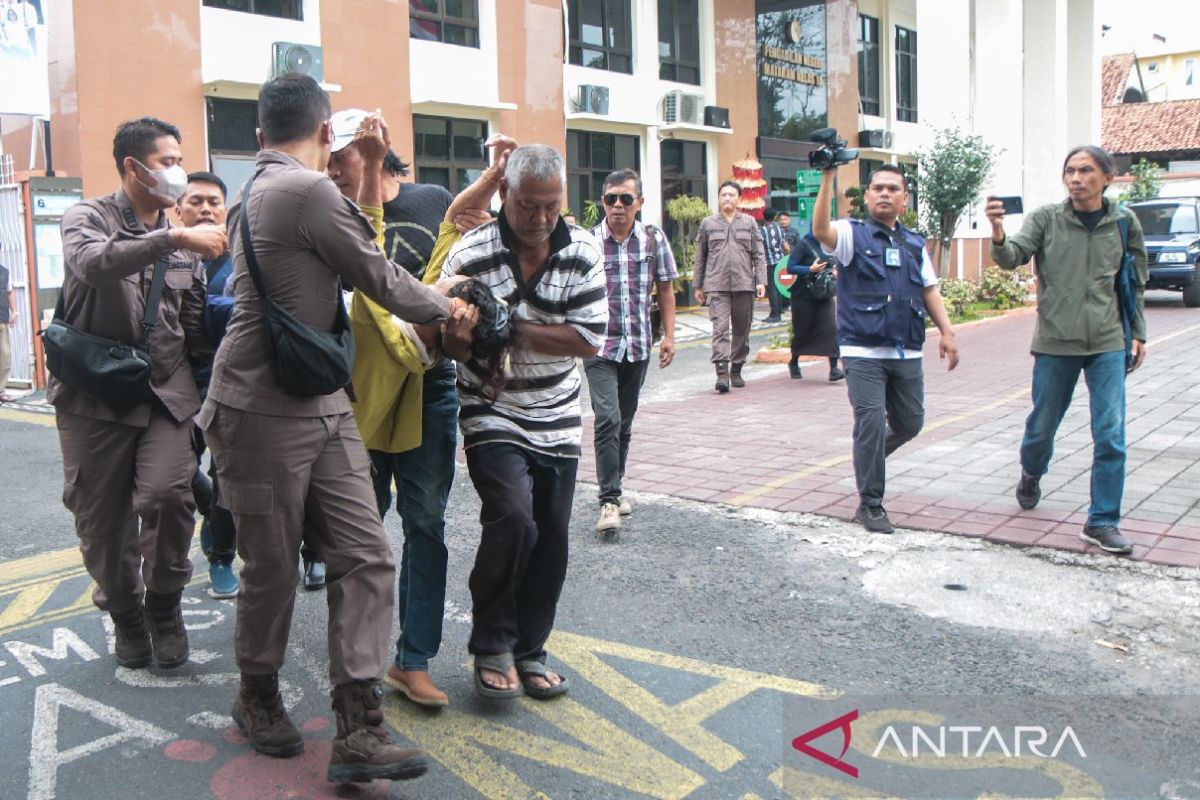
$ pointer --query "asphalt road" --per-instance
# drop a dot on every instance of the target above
(700, 644)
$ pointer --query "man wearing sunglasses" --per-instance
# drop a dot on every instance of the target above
(730, 271)
(637, 260)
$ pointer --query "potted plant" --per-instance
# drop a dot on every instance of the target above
(687, 212)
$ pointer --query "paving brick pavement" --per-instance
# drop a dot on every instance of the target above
(784, 444)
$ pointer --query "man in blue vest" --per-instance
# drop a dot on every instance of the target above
(885, 291)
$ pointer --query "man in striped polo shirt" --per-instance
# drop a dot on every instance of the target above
(637, 259)
(522, 442)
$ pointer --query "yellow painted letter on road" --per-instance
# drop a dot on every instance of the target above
(682, 722)
(462, 742)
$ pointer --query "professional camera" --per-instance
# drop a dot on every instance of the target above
(832, 152)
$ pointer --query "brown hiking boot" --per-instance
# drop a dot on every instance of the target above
(362, 750)
(735, 377)
(722, 379)
(258, 710)
(132, 642)
(164, 620)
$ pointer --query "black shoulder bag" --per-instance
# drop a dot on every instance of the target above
(823, 285)
(115, 373)
(656, 320)
(306, 363)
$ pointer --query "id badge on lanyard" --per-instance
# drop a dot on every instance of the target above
(891, 256)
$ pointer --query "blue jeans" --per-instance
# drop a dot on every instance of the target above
(1054, 379)
(423, 478)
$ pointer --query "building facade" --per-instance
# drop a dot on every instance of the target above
(679, 89)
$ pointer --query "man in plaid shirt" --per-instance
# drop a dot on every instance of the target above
(636, 259)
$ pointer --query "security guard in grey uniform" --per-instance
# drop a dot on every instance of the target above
(120, 466)
(287, 463)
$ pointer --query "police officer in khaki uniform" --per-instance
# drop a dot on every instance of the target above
(290, 465)
(730, 271)
(122, 466)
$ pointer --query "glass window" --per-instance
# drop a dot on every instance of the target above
(1189, 71)
(683, 172)
(600, 35)
(232, 140)
(793, 99)
(679, 41)
(284, 9)
(865, 167)
(449, 152)
(591, 157)
(232, 125)
(906, 75)
(448, 21)
(868, 64)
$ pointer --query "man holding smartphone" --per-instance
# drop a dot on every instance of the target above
(1080, 245)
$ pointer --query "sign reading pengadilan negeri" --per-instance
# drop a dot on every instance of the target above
(24, 82)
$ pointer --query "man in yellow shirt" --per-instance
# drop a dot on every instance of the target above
(407, 407)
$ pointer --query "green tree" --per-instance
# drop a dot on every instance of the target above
(687, 212)
(951, 173)
(591, 214)
(1147, 182)
(858, 207)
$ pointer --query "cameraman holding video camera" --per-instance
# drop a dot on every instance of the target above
(885, 290)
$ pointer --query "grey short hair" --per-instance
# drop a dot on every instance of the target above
(538, 161)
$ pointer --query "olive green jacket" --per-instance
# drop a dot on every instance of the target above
(1078, 313)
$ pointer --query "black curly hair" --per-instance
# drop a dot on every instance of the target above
(494, 334)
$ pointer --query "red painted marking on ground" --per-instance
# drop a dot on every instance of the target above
(189, 750)
(258, 777)
(315, 725)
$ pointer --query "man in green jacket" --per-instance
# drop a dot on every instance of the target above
(1079, 252)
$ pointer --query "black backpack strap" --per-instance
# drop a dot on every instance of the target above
(651, 233)
(155, 294)
(248, 243)
(817, 256)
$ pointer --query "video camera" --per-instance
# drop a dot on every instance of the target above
(832, 152)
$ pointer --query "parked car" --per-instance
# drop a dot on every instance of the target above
(1172, 229)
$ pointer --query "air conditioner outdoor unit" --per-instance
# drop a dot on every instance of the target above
(303, 58)
(877, 138)
(592, 99)
(682, 107)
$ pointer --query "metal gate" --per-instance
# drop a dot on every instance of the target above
(13, 255)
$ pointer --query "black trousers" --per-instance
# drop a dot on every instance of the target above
(522, 558)
(220, 520)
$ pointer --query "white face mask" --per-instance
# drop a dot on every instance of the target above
(169, 183)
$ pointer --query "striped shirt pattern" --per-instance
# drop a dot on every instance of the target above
(538, 408)
(631, 271)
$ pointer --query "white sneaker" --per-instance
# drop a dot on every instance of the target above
(610, 518)
(626, 507)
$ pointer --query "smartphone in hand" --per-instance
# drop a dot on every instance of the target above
(1012, 204)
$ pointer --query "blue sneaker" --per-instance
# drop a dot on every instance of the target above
(222, 582)
(206, 539)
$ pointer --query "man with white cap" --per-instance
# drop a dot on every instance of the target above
(406, 410)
